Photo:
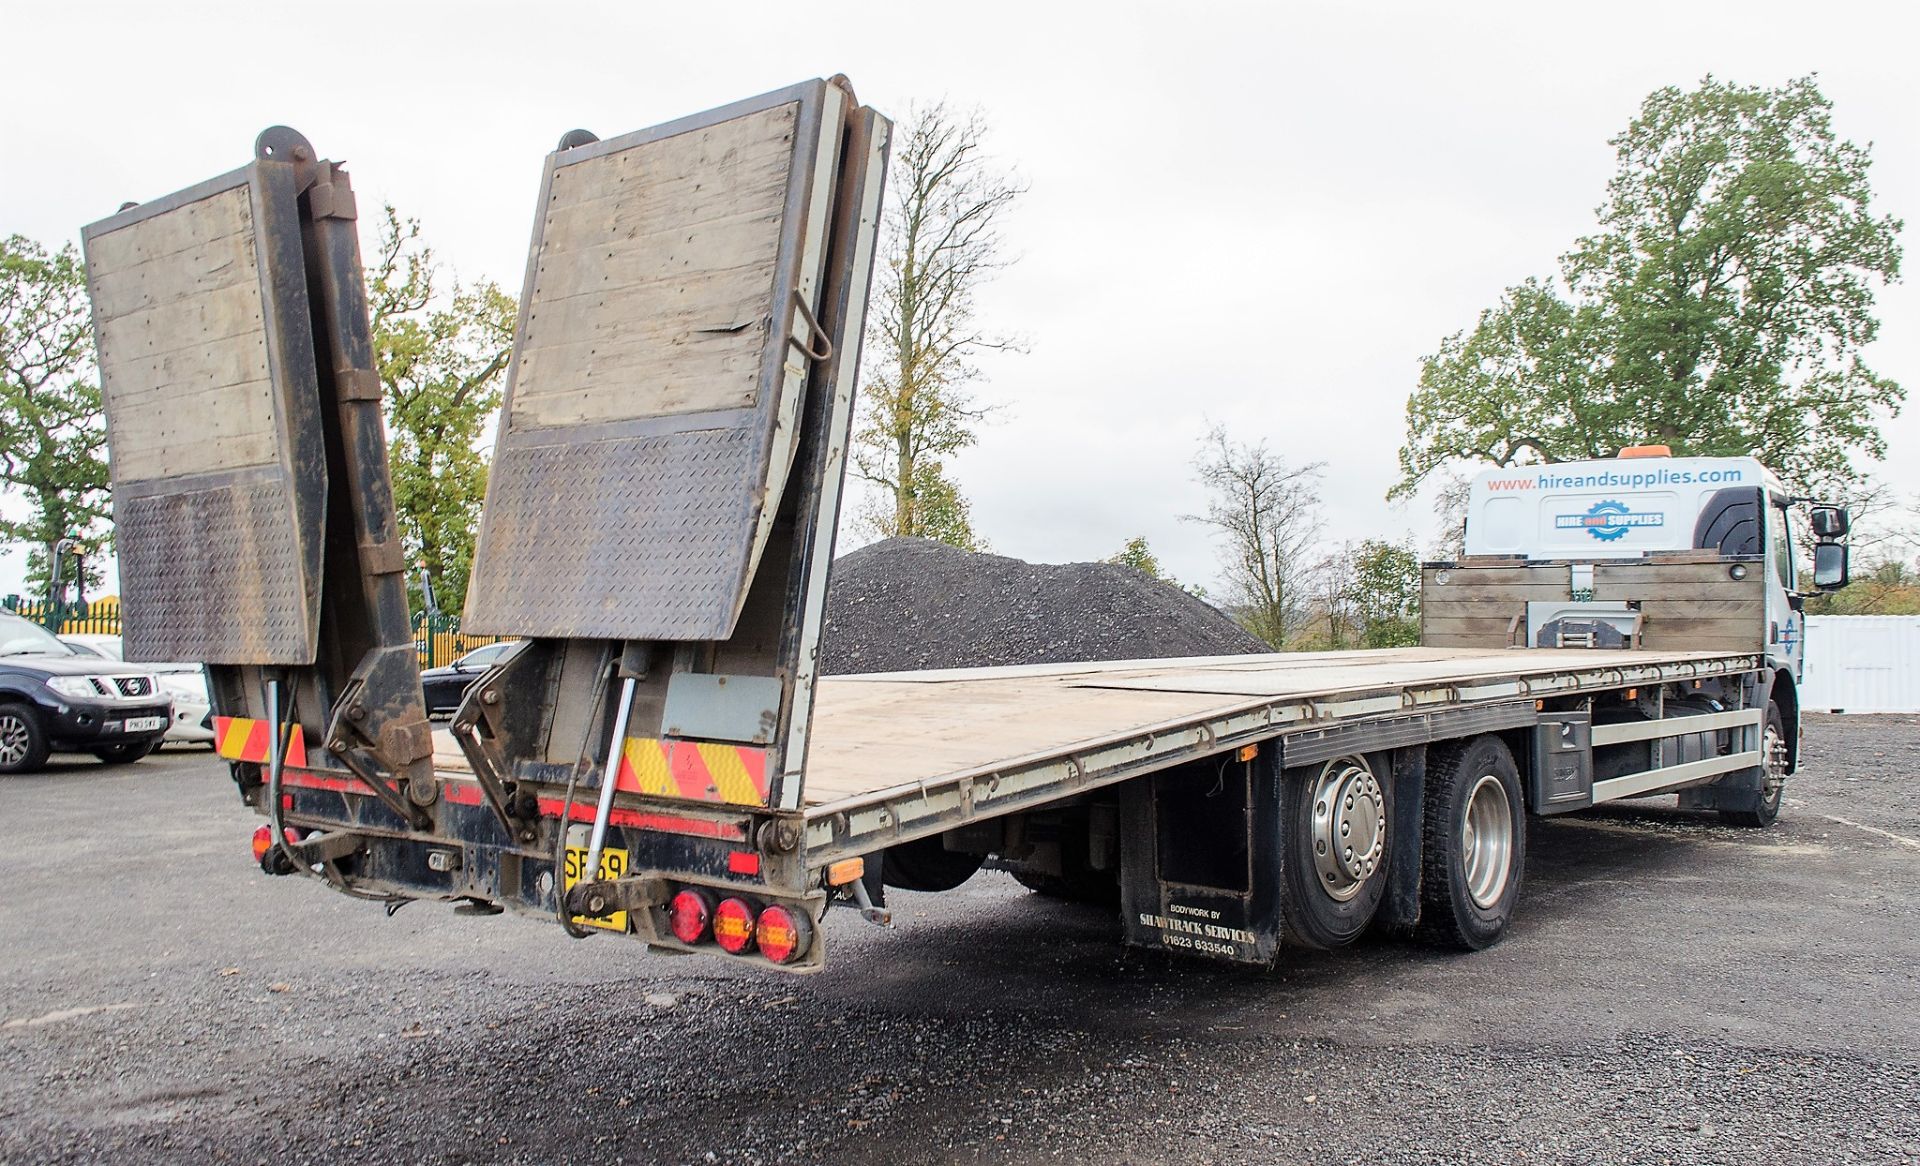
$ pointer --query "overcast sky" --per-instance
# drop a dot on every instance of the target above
(1260, 216)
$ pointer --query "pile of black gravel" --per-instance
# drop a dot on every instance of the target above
(912, 603)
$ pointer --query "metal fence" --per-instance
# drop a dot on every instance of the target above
(102, 617)
(439, 640)
(436, 638)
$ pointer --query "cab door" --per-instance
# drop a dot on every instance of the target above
(1786, 624)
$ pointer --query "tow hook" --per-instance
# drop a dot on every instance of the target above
(878, 916)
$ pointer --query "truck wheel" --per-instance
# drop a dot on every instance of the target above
(121, 754)
(23, 745)
(925, 864)
(1334, 854)
(1773, 774)
(1474, 844)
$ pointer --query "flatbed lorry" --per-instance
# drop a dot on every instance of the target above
(659, 757)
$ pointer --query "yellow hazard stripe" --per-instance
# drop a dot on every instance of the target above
(729, 774)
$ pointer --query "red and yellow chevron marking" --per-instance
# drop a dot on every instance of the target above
(700, 770)
(245, 739)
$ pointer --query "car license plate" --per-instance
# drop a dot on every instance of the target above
(145, 724)
(613, 864)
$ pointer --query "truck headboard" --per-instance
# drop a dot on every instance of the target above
(1683, 602)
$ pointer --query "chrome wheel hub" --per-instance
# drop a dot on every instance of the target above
(1349, 828)
(1773, 755)
(14, 739)
(1486, 841)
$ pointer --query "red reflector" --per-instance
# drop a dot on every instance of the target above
(743, 862)
(783, 934)
(733, 926)
(690, 916)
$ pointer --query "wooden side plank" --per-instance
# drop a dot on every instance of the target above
(1483, 576)
(1652, 592)
(1673, 574)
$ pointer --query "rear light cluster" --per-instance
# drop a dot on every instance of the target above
(268, 855)
(738, 927)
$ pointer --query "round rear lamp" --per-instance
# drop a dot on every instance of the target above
(733, 926)
(690, 916)
(268, 855)
(783, 934)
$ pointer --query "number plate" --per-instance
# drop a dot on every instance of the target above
(145, 724)
(613, 864)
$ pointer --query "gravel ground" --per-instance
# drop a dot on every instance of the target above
(1673, 991)
(976, 611)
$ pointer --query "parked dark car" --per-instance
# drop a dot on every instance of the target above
(54, 699)
(446, 684)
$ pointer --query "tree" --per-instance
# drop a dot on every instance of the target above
(942, 241)
(1891, 587)
(1721, 308)
(1140, 557)
(1267, 514)
(53, 440)
(442, 354)
(1383, 587)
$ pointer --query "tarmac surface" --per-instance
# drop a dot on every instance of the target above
(1673, 990)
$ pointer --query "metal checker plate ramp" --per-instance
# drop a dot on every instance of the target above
(649, 419)
(207, 368)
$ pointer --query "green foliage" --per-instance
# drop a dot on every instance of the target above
(53, 441)
(938, 511)
(1889, 588)
(1383, 589)
(1140, 557)
(1137, 555)
(442, 357)
(940, 243)
(1722, 307)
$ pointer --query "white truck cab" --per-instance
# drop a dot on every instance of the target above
(1647, 502)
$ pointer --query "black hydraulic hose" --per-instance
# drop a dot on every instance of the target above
(276, 765)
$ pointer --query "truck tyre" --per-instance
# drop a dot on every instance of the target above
(1473, 845)
(1773, 774)
(925, 864)
(122, 754)
(1334, 851)
(23, 744)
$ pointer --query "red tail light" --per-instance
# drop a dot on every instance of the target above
(263, 840)
(690, 916)
(264, 853)
(733, 926)
(783, 934)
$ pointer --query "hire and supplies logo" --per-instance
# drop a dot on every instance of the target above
(1608, 520)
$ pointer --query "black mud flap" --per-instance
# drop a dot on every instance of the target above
(1200, 874)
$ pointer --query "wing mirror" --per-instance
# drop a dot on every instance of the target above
(1829, 566)
(1829, 522)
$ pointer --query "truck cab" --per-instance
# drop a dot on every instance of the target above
(1647, 503)
(1644, 551)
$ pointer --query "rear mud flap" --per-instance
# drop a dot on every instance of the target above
(1199, 874)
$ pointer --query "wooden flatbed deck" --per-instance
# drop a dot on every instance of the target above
(875, 732)
(911, 749)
